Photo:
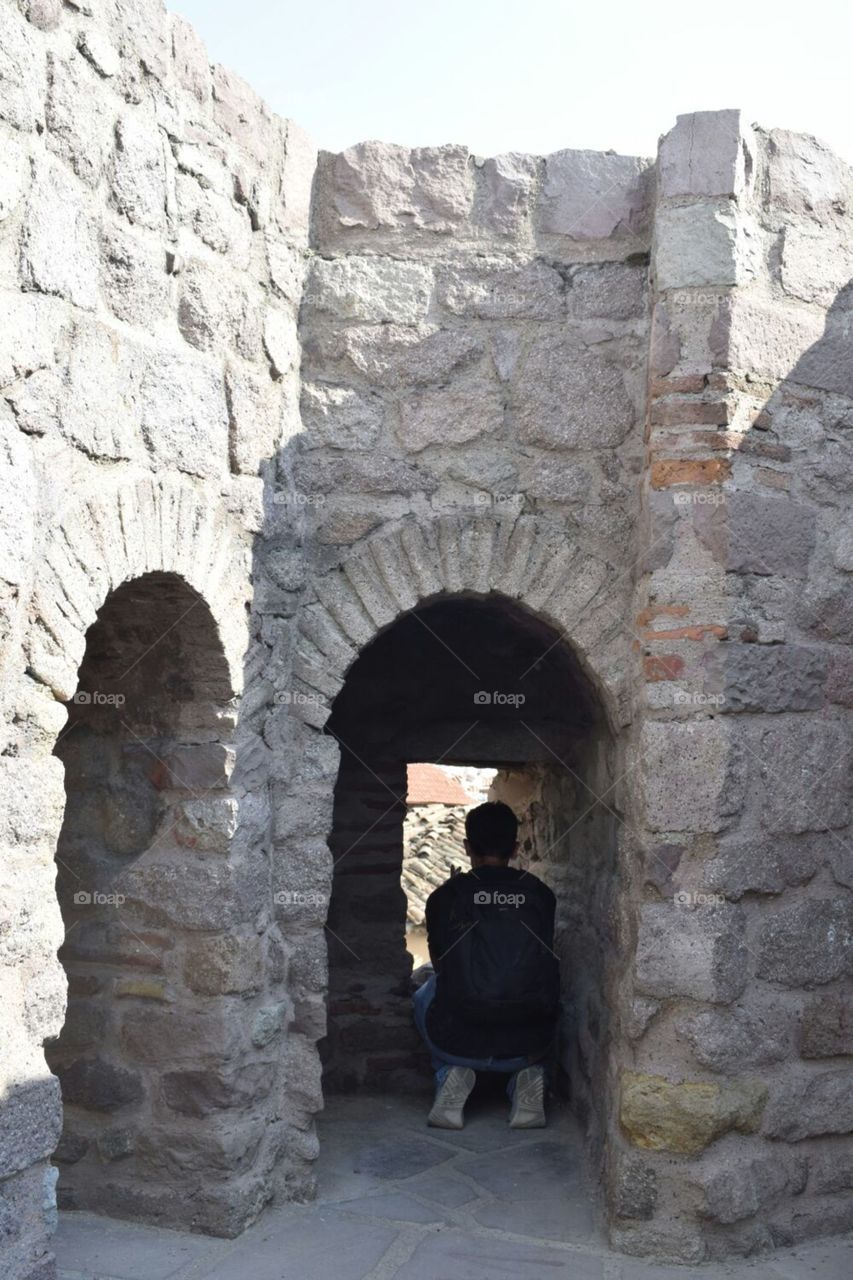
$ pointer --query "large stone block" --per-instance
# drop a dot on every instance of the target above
(376, 185)
(22, 72)
(691, 775)
(201, 1093)
(608, 291)
(138, 179)
(805, 177)
(591, 195)
(504, 193)
(374, 290)
(804, 766)
(498, 289)
(757, 533)
(451, 415)
(708, 153)
(699, 953)
(184, 415)
(97, 411)
(99, 1085)
(661, 1115)
(736, 1189)
(224, 964)
(808, 943)
(340, 417)
(57, 214)
(704, 245)
(732, 1040)
(217, 312)
(762, 864)
(255, 412)
(566, 395)
(826, 1027)
(757, 677)
(809, 1105)
(133, 276)
(80, 118)
(396, 356)
(30, 1123)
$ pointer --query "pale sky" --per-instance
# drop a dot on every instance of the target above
(536, 75)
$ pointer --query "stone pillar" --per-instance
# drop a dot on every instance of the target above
(740, 757)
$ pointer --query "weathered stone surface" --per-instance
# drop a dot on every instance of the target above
(734, 1190)
(499, 290)
(190, 58)
(736, 1039)
(397, 356)
(22, 72)
(340, 417)
(97, 49)
(57, 214)
(353, 474)
(566, 395)
(808, 943)
(701, 245)
(369, 289)
(660, 1115)
(30, 1123)
(708, 153)
(782, 677)
(692, 775)
(133, 276)
(80, 118)
(588, 195)
(826, 1027)
(754, 533)
(805, 177)
(139, 172)
(762, 864)
(697, 952)
(99, 1084)
(224, 964)
(199, 1093)
(804, 767)
(453, 415)
(636, 1189)
(183, 412)
(607, 291)
(376, 185)
(809, 1105)
(506, 185)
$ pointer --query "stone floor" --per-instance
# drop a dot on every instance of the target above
(400, 1201)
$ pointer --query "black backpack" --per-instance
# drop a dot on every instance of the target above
(501, 968)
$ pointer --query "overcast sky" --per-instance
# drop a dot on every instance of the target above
(536, 75)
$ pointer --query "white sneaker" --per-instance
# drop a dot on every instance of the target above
(528, 1100)
(451, 1098)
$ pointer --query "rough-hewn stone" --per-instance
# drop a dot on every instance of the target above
(662, 1115)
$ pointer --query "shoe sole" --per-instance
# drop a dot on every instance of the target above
(446, 1117)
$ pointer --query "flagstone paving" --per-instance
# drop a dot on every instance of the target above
(398, 1201)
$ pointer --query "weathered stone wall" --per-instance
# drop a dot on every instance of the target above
(481, 342)
(153, 222)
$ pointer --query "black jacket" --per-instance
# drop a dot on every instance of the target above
(449, 1029)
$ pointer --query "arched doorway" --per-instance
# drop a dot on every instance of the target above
(147, 1051)
(469, 679)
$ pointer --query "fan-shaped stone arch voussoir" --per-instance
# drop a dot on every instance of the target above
(524, 558)
(123, 533)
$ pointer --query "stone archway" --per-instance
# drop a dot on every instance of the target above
(190, 561)
(527, 562)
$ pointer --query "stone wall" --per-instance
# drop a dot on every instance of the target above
(612, 394)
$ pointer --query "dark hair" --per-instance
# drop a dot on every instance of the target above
(492, 830)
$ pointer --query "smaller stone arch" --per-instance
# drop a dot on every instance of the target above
(523, 558)
(124, 532)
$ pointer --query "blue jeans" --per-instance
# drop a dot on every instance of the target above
(443, 1061)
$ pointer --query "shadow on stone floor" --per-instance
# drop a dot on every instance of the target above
(399, 1201)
